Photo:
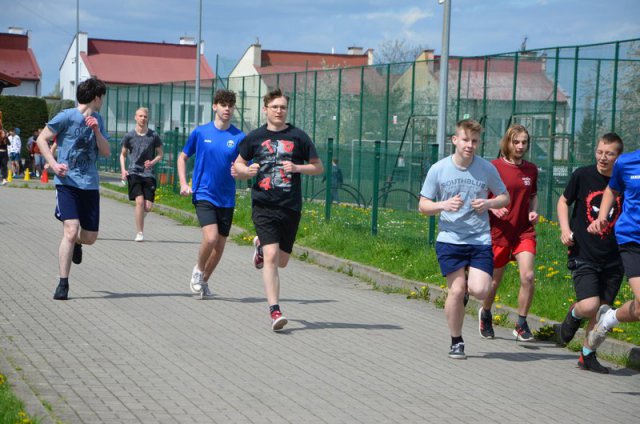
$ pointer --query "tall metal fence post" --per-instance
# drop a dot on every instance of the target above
(327, 176)
(376, 187)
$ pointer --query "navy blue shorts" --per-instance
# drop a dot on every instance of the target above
(209, 214)
(452, 257)
(75, 203)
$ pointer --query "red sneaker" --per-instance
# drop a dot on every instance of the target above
(278, 321)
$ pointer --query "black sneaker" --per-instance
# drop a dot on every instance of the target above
(77, 254)
(569, 327)
(457, 351)
(523, 333)
(62, 292)
(590, 363)
(485, 324)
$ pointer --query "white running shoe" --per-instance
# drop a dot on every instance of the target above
(139, 237)
(196, 280)
(599, 332)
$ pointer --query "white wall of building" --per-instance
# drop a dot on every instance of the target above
(68, 69)
(26, 88)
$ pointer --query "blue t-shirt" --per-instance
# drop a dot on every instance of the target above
(445, 180)
(77, 148)
(625, 179)
(215, 151)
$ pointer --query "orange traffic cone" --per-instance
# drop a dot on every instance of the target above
(44, 177)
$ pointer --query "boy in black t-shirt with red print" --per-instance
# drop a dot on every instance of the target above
(594, 260)
(280, 152)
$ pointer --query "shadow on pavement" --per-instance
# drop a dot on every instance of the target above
(130, 240)
(112, 295)
(264, 299)
(325, 325)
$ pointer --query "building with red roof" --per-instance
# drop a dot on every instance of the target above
(295, 73)
(120, 62)
(20, 73)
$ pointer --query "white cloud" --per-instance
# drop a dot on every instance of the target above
(407, 17)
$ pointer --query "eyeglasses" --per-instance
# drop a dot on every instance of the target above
(277, 107)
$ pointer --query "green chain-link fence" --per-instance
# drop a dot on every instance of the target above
(565, 96)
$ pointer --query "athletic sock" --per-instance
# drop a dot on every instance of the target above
(486, 312)
(586, 351)
(573, 313)
(456, 340)
(274, 308)
(610, 319)
(522, 319)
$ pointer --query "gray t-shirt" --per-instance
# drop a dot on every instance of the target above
(141, 148)
(445, 180)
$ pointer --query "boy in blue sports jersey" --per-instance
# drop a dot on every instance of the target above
(213, 184)
(80, 136)
(625, 180)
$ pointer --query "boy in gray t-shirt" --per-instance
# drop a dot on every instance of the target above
(457, 187)
(144, 148)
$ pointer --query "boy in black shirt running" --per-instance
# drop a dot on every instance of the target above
(278, 151)
(594, 260)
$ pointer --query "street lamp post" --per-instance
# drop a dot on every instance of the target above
(77, 48)
(198, 43)
(444, 74)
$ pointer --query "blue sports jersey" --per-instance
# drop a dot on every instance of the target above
(77, 148)
(215, 151)
(625, 179)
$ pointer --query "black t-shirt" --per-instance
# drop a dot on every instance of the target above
(585, 189)
(269, 149)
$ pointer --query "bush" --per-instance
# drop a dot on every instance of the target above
(26, 113)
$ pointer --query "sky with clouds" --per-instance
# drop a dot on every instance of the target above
(229, 26)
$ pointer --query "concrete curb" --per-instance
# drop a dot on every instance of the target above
(32, 405)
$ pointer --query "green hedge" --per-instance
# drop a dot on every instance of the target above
(26, 113)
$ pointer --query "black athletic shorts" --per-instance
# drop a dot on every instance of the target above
(142, 186)
(592, 280)
(209, 214)
(275, 225)
(630, 253)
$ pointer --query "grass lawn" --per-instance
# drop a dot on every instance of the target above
(11, 408)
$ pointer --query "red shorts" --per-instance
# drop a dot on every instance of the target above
(502, 255)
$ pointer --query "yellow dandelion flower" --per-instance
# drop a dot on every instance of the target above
(498, 306)
(497, 299)
(618, 330)
(542, 320)
(617, 303)
(541, 267)
(22, 414)
(413, 293)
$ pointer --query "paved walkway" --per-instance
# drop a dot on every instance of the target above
(133, 345)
